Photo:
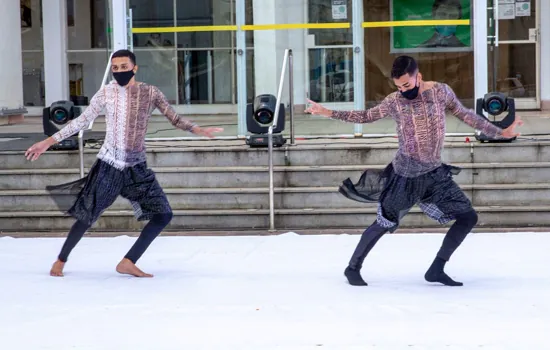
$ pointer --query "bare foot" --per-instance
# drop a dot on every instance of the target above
(57, 268)
(127, 267)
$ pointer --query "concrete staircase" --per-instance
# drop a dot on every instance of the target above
(222, 185)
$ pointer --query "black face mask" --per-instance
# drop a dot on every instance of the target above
(123, 78)
(412, 93)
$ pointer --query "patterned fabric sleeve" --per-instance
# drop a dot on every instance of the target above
(92, 111)
(367, 116)
(468, 116)
(168, 111)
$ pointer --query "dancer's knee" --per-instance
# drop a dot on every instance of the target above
(162, 219)
(469, 218)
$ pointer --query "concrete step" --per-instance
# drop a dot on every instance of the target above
(285, 198)
(334, 152)
(284, 176)
(288, 219)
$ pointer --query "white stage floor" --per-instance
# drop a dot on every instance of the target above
(269, 292)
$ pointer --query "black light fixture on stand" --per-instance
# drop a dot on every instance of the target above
(260, 115)
(57, 116)
(496, 103)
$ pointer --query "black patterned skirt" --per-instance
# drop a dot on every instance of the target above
(87, 198)
(436, 193)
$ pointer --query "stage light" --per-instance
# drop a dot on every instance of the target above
(496, 103)
(260, 115)
(57, 116)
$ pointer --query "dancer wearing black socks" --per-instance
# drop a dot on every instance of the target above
(416, 175)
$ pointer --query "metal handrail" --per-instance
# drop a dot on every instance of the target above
(81, 132)
(286, 60)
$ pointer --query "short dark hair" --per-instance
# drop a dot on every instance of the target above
(403, 65)
(125, 53)
(455, 3)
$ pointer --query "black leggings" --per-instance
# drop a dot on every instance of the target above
(454, 237)
(148, 234)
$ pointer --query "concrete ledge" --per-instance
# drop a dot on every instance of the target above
(12, 119)
(545, 105)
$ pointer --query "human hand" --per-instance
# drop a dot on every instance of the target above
(208, 132)
(35, 151)
(316, 108)
(510, 132)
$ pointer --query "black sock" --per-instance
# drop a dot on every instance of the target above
(367, 241)
(354, 277)
(436, 274)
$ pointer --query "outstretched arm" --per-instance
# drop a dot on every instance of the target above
(92, 111)
(161, 102)
(96, 105)
(359, 117)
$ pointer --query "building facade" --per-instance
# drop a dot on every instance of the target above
(214, 56)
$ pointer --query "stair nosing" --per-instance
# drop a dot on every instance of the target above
(297, 189)
(276, 168)
(305, 211)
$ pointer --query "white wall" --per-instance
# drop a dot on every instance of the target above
(269, 47)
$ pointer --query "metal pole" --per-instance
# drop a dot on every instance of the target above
(240, 14)
(291, 94)
(187, 72)
(495, 45)
(270, 143)
(209, 72)
(280, 92)
(271, 189)
(81, 150)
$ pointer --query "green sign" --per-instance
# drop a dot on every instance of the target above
(431, 38)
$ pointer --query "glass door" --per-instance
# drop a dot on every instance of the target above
(514, 51)
(330, 54)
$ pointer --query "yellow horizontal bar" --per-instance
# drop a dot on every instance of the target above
(382, 24)
(417, 23)
(296, 26)
(183, 29)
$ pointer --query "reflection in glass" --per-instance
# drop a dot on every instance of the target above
(331, 75)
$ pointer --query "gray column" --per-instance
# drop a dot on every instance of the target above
(11, 61)
(56, 68)
(241, 69)
(544, 40)
(358, 61)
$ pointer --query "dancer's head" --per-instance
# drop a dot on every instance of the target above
(406, 76)
(123, 66)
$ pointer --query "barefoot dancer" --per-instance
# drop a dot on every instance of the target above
(416, 174)
(121, 167)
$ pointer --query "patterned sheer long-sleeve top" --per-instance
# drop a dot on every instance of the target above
(420, 126)
(127, 113)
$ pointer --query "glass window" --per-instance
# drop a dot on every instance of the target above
(148, 14)
(330, 69)
(194, 67)
(331, 75)
(450, 61)
(89, 44)
(321, 11)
